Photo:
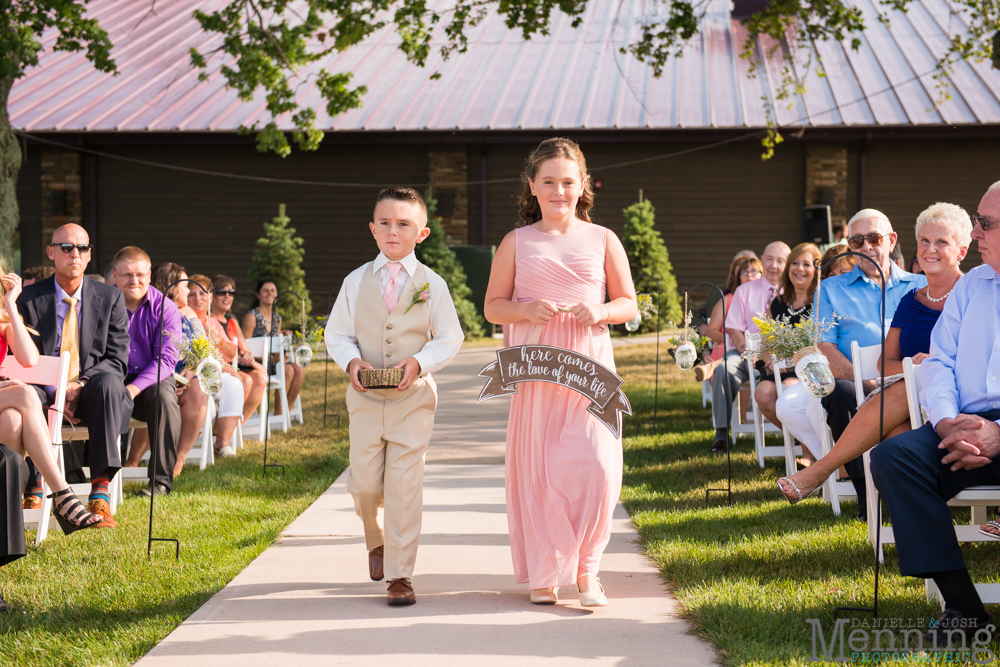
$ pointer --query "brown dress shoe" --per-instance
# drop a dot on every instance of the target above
(101, 508)
(31, 503)
(401, 592)
(375, 564)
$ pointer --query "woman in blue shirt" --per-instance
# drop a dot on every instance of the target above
(943, 235)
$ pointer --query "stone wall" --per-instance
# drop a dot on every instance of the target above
(826, 178)
(449, 168)
(61, 193)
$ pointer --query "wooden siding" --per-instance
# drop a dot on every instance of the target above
(905, 177)
(709, 204)
(29, 200)
(210, 224)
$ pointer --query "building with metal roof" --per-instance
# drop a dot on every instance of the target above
(868, 133)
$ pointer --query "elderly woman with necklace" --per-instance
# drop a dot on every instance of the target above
(944, 232)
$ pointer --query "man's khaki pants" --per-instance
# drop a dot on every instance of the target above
(390, 431)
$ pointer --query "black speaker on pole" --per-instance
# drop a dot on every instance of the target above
(816, 225)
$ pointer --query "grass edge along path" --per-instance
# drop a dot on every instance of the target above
(93, 598)
(748, 576)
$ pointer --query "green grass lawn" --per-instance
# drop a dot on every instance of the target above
(748, 576)
(94, 598)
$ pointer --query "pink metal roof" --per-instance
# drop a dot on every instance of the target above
(572, 78)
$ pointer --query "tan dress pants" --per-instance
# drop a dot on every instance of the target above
(390, 431)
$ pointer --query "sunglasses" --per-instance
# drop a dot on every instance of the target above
(68, 247)
(752, 272)
(858, 241)
(226, 292)
(983, 223)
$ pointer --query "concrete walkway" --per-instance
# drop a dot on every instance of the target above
(307, 600)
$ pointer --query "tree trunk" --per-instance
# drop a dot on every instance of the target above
(10, 165)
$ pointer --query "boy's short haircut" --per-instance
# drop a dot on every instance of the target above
(408, 195)
(38, 273)
(129, 253)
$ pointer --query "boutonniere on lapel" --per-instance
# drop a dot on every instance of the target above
(421, 294)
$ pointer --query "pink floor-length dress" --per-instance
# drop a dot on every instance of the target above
(564, 468)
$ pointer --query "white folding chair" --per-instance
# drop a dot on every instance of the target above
(706, 393)
(261, 348)
(791, 449)
(759, 424)
(978, 498)
(295, 413)
(833, 489)
(49, 371)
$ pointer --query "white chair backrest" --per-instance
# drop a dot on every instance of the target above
(778, 366)
(866, 366)
(753, 341)
(911, 376)
(262, 346)
(48, 372)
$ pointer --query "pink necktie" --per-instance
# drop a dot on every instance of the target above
(391, 295)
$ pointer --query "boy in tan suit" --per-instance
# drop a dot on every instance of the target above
(393, 312)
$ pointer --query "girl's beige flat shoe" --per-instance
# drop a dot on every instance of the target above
(593, 598)
(545, 596)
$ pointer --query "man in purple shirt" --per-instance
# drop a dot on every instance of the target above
(131, 272)
(750, 300)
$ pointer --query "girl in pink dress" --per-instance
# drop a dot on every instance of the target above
(564, 468)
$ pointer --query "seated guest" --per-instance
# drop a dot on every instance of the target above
(236, 386)
(915, 264)
(90, 322)
(263, 320)
(742, 270)
(943, 237)
(917, 472)
(856, 298)
(749, 301)
(840, 266)
(24, 430)
(897, 257)
(223, 291)
(150, 380)
(794, 301)
(13, 477)
(838, 229)
(703, 313)
(192, 400)
(36, 273)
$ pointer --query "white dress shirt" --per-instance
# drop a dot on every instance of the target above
(62, 309)
(962, 373)
(445, 335)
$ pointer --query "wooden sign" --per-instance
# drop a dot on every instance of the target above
(544, 363)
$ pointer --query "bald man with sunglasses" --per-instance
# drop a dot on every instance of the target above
(855, 298)
(90, 321)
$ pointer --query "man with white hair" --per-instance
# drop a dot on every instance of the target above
(855, 300)
(749, 300)
(919, 471)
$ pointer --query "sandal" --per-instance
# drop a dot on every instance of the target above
(991, 524)
(71, 514)
(798, 493)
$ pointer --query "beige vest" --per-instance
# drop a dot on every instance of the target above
(387, 338)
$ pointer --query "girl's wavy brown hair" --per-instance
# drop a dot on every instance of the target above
(558, 147)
